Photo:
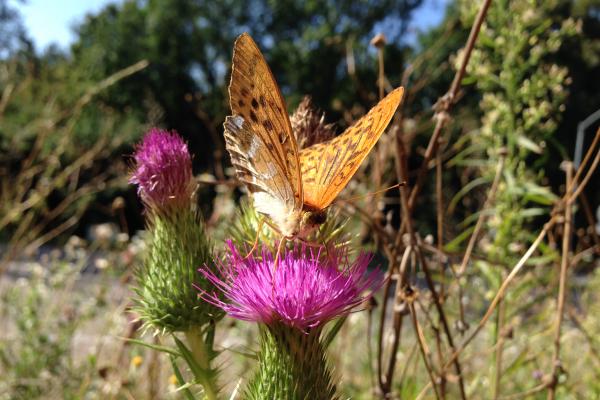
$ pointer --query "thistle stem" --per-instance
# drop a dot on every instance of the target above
(202, 356)
(292, 366)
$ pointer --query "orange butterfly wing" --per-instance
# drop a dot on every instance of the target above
(255, 97)
(328, 167)
(260, 141)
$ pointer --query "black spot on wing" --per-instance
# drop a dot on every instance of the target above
(268, 125)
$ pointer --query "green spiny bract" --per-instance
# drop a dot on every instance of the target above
(168, 281)
(292, 366)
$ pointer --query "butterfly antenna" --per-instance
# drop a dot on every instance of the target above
(397, 185)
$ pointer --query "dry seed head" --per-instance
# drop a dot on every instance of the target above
(379, 40)
(308, 125)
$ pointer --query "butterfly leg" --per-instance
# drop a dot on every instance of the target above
(312, 244)
(261, 222)
(279, 248)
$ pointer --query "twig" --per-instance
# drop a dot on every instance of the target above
(584, 253)
(398, 317)
(403, 177)
(379, 42)
(444, 322)
(586, 159)
(369, 339)
(499, 296)
(482, 214)
(439, 202)
(412, 353)
(499, 348)
(433, 144)
(566, 247)
(526, 394)
(385, 382)
(445, 102)
(587, 211)
(567, 199)
(471, 245)
(589, 174)
(426, 354)
(504, 287)
(109, 81)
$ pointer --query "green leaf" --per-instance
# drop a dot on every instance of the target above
(454, 244)
(189, 358)
(529, 144)
(468, 80)
(473, 217)
(333, 331)
(163, 349)
(491, 274)
(464, 191)
(533, 212)
(538, 194)
(185, 386)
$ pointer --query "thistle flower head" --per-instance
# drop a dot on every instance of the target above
(303, 291)
(163, 170)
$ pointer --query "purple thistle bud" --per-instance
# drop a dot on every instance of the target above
(163, 170)
(304, 291)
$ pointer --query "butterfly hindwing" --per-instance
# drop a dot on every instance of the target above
(328, 167)
(257, 168)
(255, 97)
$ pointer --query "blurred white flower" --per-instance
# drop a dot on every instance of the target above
(101, 263)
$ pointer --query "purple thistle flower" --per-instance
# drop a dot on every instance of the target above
(303, 291)
(163, 169)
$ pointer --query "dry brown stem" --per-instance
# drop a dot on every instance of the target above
(566, 247)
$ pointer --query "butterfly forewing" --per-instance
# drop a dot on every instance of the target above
(255, 97)
(328, 167)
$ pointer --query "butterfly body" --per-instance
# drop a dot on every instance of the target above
(292, 186)
(311, 219)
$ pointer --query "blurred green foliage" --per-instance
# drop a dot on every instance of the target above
(189, 45)
(318, 47)
(522, 96)
(38, 361)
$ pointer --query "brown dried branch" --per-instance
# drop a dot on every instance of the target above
(403, 177)
(568, 198)
(566, 247)
(445, 103)
(479, 224)
(425, 353)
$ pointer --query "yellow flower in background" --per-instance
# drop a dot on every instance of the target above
(137, 361)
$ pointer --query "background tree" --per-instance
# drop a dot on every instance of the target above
(189, 46)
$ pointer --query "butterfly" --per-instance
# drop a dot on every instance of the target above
(292, 186)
